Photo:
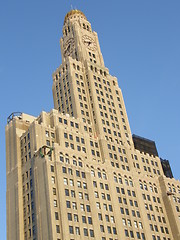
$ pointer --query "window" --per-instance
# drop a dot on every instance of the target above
(94, 184)
(102, 228)
(129, 192)
(103, 196)
(109, 229)
(56, 216)
(74, 205)
(98, 205)
(126, 233)
(61, 158)
(73, 193)
(133, 213)
(107, 218)
(105, 207)
(104, 176)
(129, 222)
(135, 224)
(55, 203)
(64, 169)
(140, 225)
(57, 229)
(66, 192)
(84, 185)
(54, 191)
(80, 195)
(77, 230)
(177, 209)
(138, 214)
(88, 208)
(122, 191)
(82, 207)
(83, 175)
(114, 231)
(135, 204)
(85, 232)
(108, 197)
(65, 181)
(53, 179)
(131, 234)
(47, 134)
(122, 210)
(52, 135)
(77, 173)
(92, 173)
(71, 182)
(133, 194)
(68, 204)
(143, 236)
(138, 235)
(90, 220)
(100, 216)
(124, 221)
(151, 227)
(156, 228)
(96, 194)
(83, 219)
(71, 230)
(52, 168)
(79, 184)
(76, 218)
(110, 208)
(91, 232)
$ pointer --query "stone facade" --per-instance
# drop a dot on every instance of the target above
(74, 173)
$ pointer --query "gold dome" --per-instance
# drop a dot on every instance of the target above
(74, 12)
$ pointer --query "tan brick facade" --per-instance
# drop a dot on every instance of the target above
(73, 173)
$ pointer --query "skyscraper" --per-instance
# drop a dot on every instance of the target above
(77, 172)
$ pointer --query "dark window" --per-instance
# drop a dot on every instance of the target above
(56, 216)
(69, 216)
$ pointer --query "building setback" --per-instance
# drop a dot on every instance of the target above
(76, 172)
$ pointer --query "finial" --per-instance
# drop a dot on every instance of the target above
(72, 12)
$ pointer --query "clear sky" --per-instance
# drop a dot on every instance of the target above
(140, 43)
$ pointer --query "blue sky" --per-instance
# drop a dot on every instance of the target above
(140, 42)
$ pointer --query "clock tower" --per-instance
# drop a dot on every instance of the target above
(90, 96)
(79, 41)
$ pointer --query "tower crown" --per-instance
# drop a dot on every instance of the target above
(74, 13)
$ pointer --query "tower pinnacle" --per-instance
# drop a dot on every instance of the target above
(74, 12)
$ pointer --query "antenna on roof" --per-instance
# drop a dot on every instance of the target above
(71, 7)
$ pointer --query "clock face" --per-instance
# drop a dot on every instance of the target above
(89, 42)
(69, 47)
